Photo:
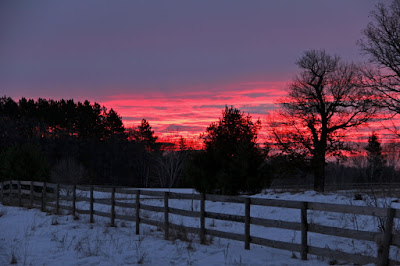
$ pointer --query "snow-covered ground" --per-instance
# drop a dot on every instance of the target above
(34, 238)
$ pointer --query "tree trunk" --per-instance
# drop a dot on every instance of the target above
(319, 175)
(319, 167)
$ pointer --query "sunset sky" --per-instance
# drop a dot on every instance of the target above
(175, 63)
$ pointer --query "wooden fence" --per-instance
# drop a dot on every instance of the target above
(48, 197)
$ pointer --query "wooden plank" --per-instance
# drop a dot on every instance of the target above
(223, 198)
(226, 235)
(125, 204)
(103, 189)
(31, 197)
(203, 218)
(275, 244)
(166, 217)
(51, 205)
(276, 223)
(247, 224)
(137, 212)
(277, 203)
(64, 207)
(152, 222)
(91, 207)
(342, 232)
(125, 191)
(37, 184)
(151, 208)
(83, 188)
(362, 210)
(304, 230)
(189, 229)
(174, 195)
(340, 255)
(86, 199)
(19, 194)
(83, 211)
(125, 217)
(103, 214)
(225, 217)
(58, 200)
(51, 185)
(73, 200)
(112, 208)
(10, 194)
(396, 240)
(384, 249)
(152, 193)
(26, 183)
(25, 192)
(184, 212)
(44, 197)
(102, 201)
(2, 191)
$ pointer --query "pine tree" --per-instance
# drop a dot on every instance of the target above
(232, 162)
(145, 135)
(376, 160)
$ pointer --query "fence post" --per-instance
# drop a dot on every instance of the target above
(10, 193)
(304, 229)
(137, 210)
(44, 197)
(203, 218)
(113, 207)
(31, 196)
(383, 251)
(2, 191)
(74, 201)
(166, 221)
(57, 199)
(91, 205)
(19, 194)
(247, 224)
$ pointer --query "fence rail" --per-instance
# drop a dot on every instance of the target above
(47, 196)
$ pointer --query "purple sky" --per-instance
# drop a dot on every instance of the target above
(109, 50)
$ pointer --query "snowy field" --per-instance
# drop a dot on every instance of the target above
(30, 237)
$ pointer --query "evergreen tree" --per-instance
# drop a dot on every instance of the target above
(145, 135)
(232, 162)
(376, 160)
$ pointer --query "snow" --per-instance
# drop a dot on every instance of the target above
(32, 237)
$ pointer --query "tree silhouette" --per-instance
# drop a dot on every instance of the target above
(232, 161)
(323, 102)
(376, 160)
(145, 135)
(382, 44)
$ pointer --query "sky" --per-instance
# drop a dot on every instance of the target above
(174, 63)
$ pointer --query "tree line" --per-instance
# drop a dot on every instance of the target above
(83, 142)
(73, 142)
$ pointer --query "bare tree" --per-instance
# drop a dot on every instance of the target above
(382, 44)
(322, 103)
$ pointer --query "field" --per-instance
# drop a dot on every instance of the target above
(31, 237)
